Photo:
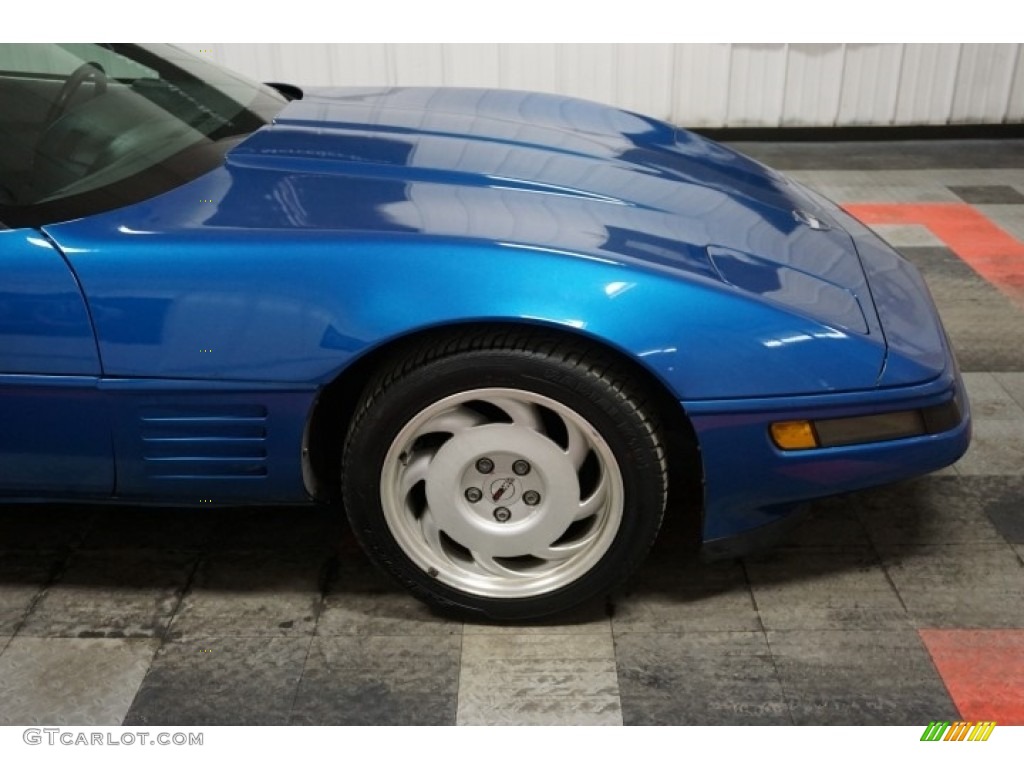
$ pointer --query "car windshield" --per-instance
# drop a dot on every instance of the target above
(89, 127)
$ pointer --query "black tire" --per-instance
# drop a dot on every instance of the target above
(557, 381)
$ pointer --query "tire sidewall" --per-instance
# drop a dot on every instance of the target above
(608, 410)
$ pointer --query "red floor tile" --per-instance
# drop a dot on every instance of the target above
(983, 669)
(992, 253)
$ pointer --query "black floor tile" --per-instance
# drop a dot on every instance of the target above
(988, 195)
(392, 680)
(44, 526)
(967, 586)
(221, 681)
(308, 528)
(253, 594)
(934, 510)
(937, 263)
(360, 599)
(22, 578)
(859, 678)
(672, 597)
(981, 320)
(1005, 506)
(112, 594)
(699, 678)
(832, 524)
(135, 528)
(824, 590)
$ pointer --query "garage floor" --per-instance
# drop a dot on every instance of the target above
(896, 606)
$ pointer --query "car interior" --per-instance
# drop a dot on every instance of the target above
(73, 120)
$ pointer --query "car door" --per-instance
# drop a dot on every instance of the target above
(54, 433)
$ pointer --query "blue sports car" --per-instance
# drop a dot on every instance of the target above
(508, 332)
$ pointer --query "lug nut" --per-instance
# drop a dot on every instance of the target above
(521, 467)
(484, 466)
(473, 495)
(502, 514)
(531, 498)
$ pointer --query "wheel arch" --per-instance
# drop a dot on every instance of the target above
(331, 416)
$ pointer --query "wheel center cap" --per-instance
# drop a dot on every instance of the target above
(504, 490)
(474, 524)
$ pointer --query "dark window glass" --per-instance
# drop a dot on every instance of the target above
(87, 127)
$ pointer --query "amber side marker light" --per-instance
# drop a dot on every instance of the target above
(853, 430)
(794, 435)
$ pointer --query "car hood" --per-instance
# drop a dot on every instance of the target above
(543, 171)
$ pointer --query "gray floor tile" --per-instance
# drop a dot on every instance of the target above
(698, 678)
(22, 578)
(920, 176)
(221, 681)
(391, 680)
(934, 510)
(252, 594)
(960, 585)
(681, 598)
(112, 594)
(802, 589)
(1013, 384)
(997, 448)
(859, 677)
(517, 679)
(1009, 218)
(879, 192)
(361, 600)
(902, 236)
(71, 681)
(591, 619)
(990, 400)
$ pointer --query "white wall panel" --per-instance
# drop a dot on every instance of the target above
(257, 61)
(814, 77)
(363, 64)
(643, 79)
(417, 64)
(757, 85)
(927, 80)
(983, 83)
(689, 84)
(1015, 109)
(310, 62)
(701, 83)
(471, 65)
(529, 67)
(588, 71)
(871, 81)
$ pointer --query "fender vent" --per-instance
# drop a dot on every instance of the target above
(201, 441)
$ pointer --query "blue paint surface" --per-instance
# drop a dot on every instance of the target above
(362, 216)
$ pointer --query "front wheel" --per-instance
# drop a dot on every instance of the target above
(509, 475)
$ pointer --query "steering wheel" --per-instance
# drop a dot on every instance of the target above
(90, 70)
